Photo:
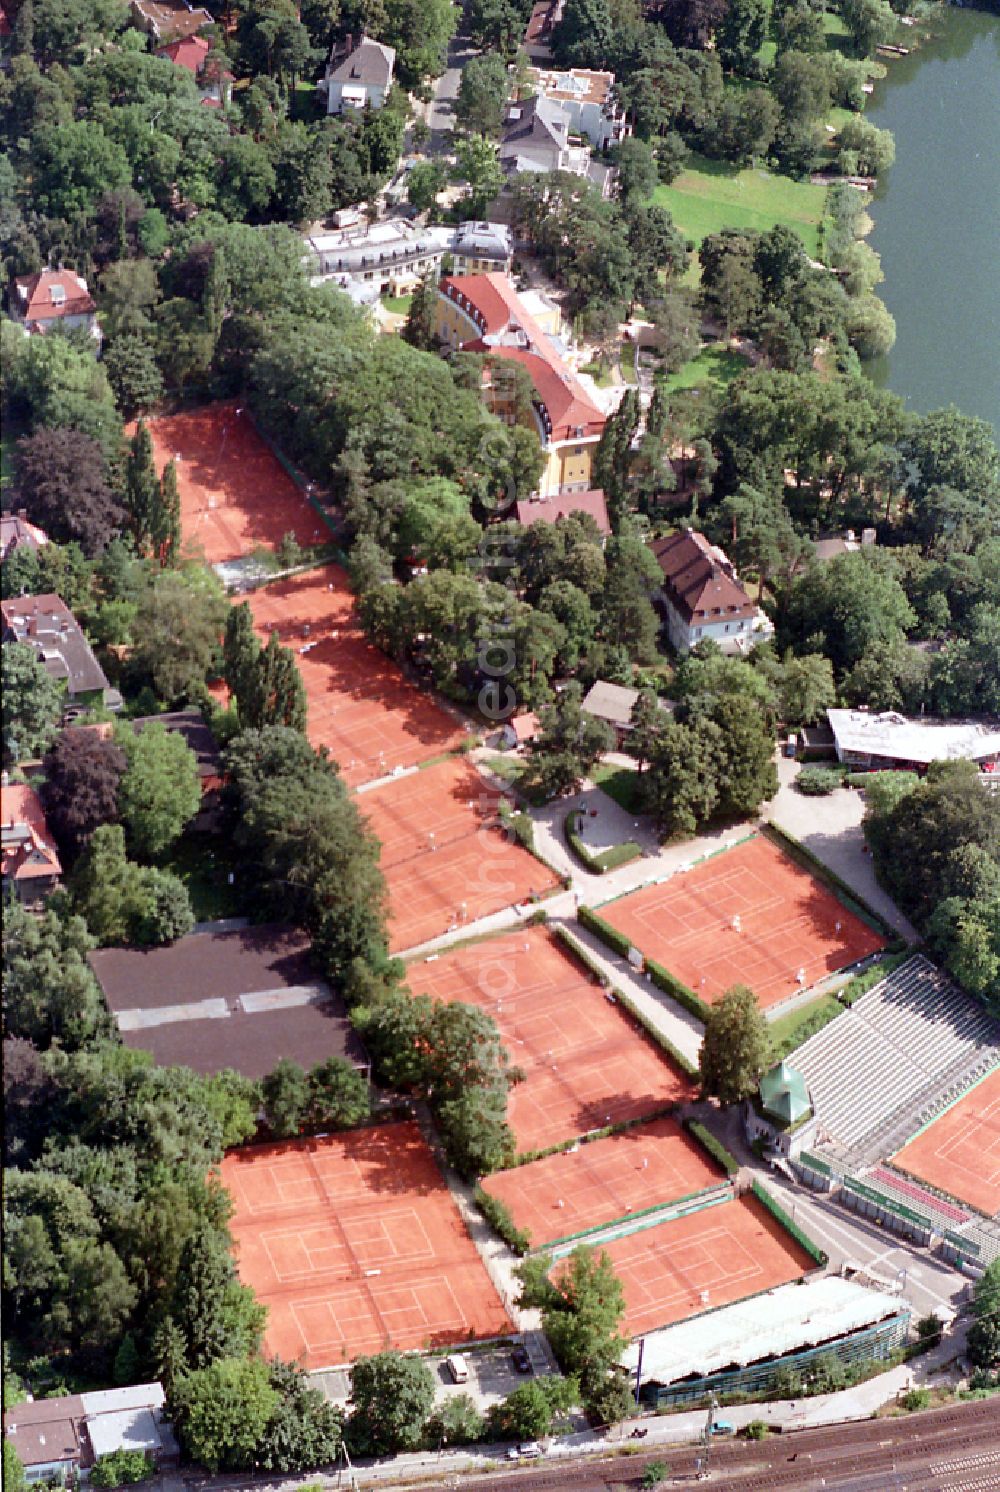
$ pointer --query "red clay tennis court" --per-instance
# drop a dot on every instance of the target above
(235, 494)
(586, 1063)
(561, 1195)
(355, 1244)
(749, 915)
(709, 1258)
(445, 861)
(361, 706)
(960, 1152)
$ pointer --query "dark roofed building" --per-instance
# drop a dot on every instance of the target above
(242, 998)
(614, 703)
(46, 624)
(703, 598)
(62, 1438)
(192, 725)
(358, 76)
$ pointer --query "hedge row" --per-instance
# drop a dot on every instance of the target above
(599, 864)
(715, 1148)
(616, 941)
(519, 824)
(497, 1214)
(818, 1256)
(848, 896)
(678, 991)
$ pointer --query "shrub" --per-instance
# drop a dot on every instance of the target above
(497, 1214)
(817, 782)
(519, 824)
(929, 1330)
(655, 1473)
(715, 1147)
(677, 990)
(917, 1398)
(604, 860)
(121, 1468)
(755, 1430)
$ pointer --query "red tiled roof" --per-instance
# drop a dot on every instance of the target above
(28, 851)
(698, 579)
(560, 505)
(36, 302)
(495, 305)
(525, 727)
(188, 52)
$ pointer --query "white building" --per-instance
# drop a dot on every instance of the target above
(358, 76)
(392, 256)
(702, 596)
(54, 297)
(864, 739)
(588, 100)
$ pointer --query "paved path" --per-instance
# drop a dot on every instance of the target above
(441, 109)
(682, 1030)
(831, 828)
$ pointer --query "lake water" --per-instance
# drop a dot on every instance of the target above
(937, 217)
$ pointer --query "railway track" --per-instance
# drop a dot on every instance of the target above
(954, 1449)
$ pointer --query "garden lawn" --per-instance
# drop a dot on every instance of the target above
(399, 305)
(711, 195)
(620, 783)
(717, 366)
(790, 1031)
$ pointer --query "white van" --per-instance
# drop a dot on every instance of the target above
(458, 1367)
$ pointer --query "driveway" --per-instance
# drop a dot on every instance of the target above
(441, 109)
(831, 828)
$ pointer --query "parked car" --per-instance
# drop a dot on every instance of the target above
(723, 1427)
(530, 1450)
(519, 1357)
(458, 1368)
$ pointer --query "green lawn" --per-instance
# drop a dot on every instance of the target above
(399, 305)
(711, 195)
(600, 373)
(203, 863)
(790, 1031)
(717, 366)
(620, 783)
(838, 38)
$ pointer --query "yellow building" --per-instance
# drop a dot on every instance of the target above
(483, 313)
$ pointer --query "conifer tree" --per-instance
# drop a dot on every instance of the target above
(142, 489)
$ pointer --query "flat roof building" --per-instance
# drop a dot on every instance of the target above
(242, 998)
(865, 738)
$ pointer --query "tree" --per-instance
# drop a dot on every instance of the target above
(846, 609)
(423, 184)
(50, 993)
(82, 777)
(14, 1479)
(421, 318)
(135, 378)
(870, 23)
(217, 1316)
(305, 1431)
(741, 34)
(129, 288)
(478, 164)
(142, 489)
(628, 617)
(61, 479)
(391, 1398)
(525, 1414)
(286, 1097)
(223, 1411)
(73, 164)
(748, 776)
(637, 174)
(161, 789)
(280, 694)
(806, 688)
(584, 36)
(567, 746)
(122, 902)
(456, 1421)
(338, 1095)
(612, 462)
(984, 1333)
(178, 626)
(482, 94)
(581, 1314)
(680, 787)
(736, 1049)
(870, 326)
(240, 654)
(166, 531)
(32, 703)
(949, 449)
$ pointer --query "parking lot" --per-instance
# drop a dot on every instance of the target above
(492, 1374)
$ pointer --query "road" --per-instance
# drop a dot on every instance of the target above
(954, 1449)
(441, 109)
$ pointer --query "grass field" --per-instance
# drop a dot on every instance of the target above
(399, 305)
(717, 366)
(790, 1031)
(711, 195)
(620, 783)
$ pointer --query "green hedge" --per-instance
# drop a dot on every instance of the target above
(678, 991)
(624, 999)
(849, 897)
(661, 977)
(616, 941)
(714, 1147)
(520, 825)
(818, 1256)
(599, 864)
(497, 1214)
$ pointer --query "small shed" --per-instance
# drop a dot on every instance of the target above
(780, 1113)
(520, 729)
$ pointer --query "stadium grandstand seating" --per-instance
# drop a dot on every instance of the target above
(906, 1047)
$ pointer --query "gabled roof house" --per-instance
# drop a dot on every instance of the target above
(702, 597)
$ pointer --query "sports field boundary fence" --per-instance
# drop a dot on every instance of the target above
(640, 1222)
(689, 1068)
(819, 1256)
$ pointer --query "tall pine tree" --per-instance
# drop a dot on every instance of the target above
(613, 462)
(240, 652)
(282, 695)
(166, 534)
(142, 489)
